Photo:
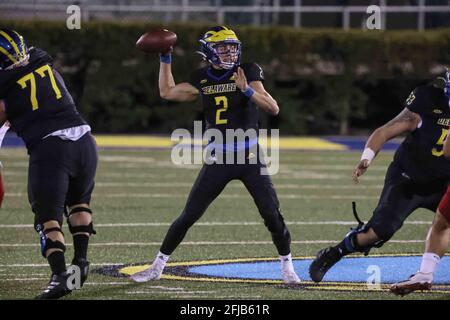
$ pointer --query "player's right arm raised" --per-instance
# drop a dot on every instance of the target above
(406, 121)
(168, 90)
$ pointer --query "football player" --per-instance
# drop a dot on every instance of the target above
(232, 94)
(62, 154)
(417, 177)
(438, 237)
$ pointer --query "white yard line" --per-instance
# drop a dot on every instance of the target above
(191, 243)
(282, 175)
(224, 196)
(231, 186)
(24, 279)
(35, 265)
(214, 223)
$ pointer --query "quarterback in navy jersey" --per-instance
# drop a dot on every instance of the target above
(232, 95)
(62, 154)
(418, 176)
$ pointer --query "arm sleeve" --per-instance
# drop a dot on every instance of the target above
(253, 72)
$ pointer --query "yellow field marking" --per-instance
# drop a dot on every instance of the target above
(140, 141)
(329, 286)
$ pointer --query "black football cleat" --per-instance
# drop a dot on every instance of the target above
(325, 259)
(83, 264)
(56, 288)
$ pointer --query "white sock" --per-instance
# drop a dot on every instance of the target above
(161, 260)
(429, 262)
(286, 262)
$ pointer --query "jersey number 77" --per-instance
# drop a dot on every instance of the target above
(30, 77)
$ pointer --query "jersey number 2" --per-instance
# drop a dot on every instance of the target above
(32, 79)
(440, 142)
(221, 101)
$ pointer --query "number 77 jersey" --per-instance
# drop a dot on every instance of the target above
(36, 99)
(421, 154)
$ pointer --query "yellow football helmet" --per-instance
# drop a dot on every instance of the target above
(220, 46)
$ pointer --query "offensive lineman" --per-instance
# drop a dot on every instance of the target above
(62, 154)
(436, 243)
(417, 178)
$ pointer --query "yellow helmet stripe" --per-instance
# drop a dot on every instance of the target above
(16, 49)
(2, 50)
(222, 36)
(22, 42)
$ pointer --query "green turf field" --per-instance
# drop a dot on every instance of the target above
(144, 188)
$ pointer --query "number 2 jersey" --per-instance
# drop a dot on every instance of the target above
(225, 106)
(421, 154)
(36, 99)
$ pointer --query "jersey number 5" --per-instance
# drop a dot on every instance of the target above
(221, 101)
(32, 79)
(440, 142)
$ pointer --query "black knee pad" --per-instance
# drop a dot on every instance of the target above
(47, 243)
(80, 229)
(351, 240)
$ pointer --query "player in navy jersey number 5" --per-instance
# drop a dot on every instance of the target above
(62, 155)
(417, 177)
(232, 94)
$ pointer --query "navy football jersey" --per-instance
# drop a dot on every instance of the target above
(421, 153)
(36, 99)
(225, 106)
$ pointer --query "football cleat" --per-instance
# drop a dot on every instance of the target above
(290, 277)
(151, 273)
(56, 288)
(83, 264)
(325, 259)
(417, 282)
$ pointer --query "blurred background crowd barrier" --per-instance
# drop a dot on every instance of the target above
(329, 75)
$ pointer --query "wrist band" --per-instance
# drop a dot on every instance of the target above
(165, 58)
(248, 92)
(368, 154)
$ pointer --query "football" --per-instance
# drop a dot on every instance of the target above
(157, 41)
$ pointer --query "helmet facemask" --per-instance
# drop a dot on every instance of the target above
(225, 54)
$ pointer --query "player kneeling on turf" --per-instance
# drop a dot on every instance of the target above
(63, 154)
(241, 98)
